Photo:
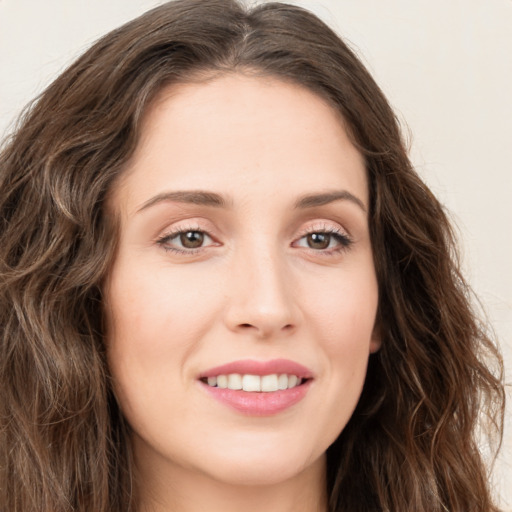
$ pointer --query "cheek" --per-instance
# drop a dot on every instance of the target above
(344, 310)
(157, 308)
(153, 327)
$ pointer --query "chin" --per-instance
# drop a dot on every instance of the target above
(271, 471)
(262, 462)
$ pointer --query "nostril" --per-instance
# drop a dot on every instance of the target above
(287, 327)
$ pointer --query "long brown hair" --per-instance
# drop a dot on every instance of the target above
(410, 444)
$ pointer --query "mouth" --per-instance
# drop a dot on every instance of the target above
(258, 388)
(254, 383)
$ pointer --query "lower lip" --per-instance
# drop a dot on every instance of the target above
(262, 403)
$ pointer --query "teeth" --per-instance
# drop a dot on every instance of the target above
(234, 381)
(282, 381)
(251, 383)
(222, 381)
(269, 383)
(255, 383)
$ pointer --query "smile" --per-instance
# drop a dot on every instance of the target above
(258, 388)
(254, 383)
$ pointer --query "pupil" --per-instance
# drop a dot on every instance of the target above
(319, 240)
(192, 239)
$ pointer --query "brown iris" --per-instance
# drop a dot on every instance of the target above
(319, 240)
(192, 239)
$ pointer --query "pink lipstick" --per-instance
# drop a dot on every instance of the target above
(258, 388)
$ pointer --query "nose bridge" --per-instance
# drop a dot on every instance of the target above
(262, 300)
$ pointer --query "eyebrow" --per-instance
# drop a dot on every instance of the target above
(198, 197)
(312, 200)
(203, 198)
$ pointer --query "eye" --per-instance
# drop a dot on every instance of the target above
(329, 240)
(185, 241)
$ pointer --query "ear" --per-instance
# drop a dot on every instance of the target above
(376, 338)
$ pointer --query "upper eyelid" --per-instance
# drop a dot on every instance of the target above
(310, 227)
(324, 226)
(171, 234)
(182, 229)
(339, 232)
(183, 226)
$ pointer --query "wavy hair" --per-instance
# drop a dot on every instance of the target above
(64, 446)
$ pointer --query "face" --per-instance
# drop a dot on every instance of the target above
(244, 260)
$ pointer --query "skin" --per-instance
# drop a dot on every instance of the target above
(255, 289)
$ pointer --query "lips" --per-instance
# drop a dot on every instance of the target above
(258, 388)
(252, 367)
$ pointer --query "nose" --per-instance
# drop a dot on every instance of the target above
(262, 302)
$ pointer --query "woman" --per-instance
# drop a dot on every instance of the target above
(224, 287)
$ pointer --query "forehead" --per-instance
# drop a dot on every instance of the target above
(238, 132)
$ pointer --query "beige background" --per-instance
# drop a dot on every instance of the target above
(445, 65)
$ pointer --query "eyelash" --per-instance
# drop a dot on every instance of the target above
(344, 241)
(165, 239)
(342, 238)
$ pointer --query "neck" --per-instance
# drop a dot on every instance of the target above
(184, 490)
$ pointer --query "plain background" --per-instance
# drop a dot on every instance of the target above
(446, 67)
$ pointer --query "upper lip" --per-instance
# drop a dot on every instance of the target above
(254, 367)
